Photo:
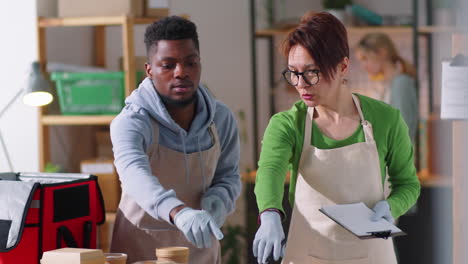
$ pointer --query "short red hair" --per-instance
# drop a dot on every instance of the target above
(324, 37)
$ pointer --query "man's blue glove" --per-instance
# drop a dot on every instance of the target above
(197, 226)
(269, 237)
(215, 206)
(382, 210)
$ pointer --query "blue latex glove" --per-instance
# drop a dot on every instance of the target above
(215, 206)
(269, 237)
(382, 210)
(197, 226)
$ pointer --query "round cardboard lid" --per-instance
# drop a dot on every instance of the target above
(172, 251)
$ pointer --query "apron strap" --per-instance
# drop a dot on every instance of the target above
(155, 138)
(214, 133)
(366, 125)
(215, 140)
(307, 132)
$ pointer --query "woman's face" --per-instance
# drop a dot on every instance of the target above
(299, 60)
(370, 61)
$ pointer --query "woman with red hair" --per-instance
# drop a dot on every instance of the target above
(338, 147)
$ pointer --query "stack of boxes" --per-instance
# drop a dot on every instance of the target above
(73, 256)
(103, 167)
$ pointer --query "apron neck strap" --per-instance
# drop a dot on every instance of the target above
(367, 127)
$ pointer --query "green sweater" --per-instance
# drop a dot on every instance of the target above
(282, 148)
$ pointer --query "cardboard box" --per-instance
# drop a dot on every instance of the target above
(104, 232)
(47, 8)
(73, 8)
(104, 145)
(157, 12)
(157, 8)
(73, 256)
(108, 180)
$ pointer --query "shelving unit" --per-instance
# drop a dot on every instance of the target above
(51, 120)
(351, 30)
(99, 24)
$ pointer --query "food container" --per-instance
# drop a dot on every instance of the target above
(175, 254)
(116, 258)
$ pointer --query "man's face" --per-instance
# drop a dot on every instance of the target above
(175, 70)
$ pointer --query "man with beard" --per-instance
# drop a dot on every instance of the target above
(176, 150)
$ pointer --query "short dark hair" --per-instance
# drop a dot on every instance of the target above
(324, 37)
(170, 28)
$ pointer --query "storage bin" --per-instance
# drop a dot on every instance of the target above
(85, 93)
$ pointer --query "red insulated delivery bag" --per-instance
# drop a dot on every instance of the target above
(45, 211)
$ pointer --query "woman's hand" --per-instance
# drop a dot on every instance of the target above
(382, 210)
(269, 237)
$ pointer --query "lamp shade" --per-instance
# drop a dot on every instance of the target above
(38, 89)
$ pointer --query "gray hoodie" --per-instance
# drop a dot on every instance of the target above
(132, 135)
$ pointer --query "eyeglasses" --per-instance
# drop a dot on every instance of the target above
(311, 77)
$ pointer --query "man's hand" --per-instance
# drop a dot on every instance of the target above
(215, 206)
(197, 226)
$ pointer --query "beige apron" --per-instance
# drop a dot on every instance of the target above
(137, 233)
(349, 174)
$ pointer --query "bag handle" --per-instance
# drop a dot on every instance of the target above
(64, 233)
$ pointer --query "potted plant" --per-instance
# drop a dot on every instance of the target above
(337, 8)
(232, 243)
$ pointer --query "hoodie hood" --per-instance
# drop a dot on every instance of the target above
(147, 98)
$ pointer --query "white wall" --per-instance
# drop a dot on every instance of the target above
(19, 125)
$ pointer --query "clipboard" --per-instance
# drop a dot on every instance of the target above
(356, 219)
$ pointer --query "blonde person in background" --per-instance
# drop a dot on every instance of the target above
(379, 57)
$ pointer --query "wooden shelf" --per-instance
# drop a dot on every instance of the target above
(437, 29)
(427, 179)
(387, 29)
(351, 30)
(58, 120)
(363, 30)
(249, 177)
(92, 21)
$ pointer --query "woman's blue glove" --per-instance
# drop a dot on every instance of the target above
(382, 210)
(215, 206)
(197, 226)
(269, 237)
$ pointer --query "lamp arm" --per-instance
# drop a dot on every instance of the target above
(5, 150)
(11, 102)
(2, 142)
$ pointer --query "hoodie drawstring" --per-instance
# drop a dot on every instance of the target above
(202, 168)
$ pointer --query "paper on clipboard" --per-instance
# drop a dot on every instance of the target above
(454, 104)
(356, 218)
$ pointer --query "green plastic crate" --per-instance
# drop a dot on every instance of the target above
(90, 93)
